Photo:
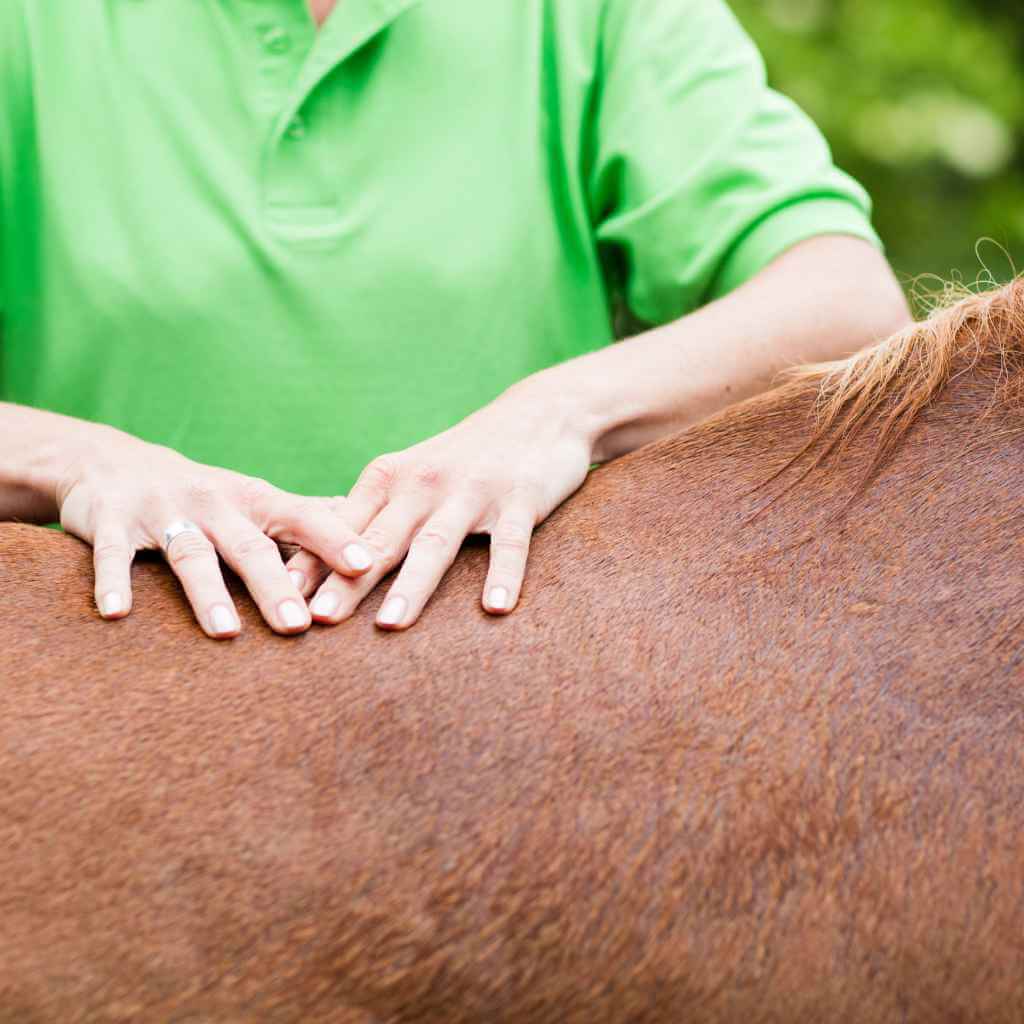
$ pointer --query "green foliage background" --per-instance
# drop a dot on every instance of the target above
(923, 102)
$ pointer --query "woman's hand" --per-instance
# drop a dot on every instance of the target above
(119, 494)
(501, 471)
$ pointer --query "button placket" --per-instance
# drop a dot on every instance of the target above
(279, 33)
(300, 187)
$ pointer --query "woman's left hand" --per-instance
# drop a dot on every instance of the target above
(501, 471)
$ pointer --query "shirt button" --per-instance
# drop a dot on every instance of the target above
(296, 128)
(276, 40)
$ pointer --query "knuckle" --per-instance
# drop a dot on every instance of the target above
(253, 491)
(380, 474)
(109, 552)
(382, 545)
(200, 492)
(514, 538)
(298, 518)
(432, 538)
(480, 486)
(256, 546)
(305, 509)
(428, 477)
(336, 505)
(150, 499)
(189, 547)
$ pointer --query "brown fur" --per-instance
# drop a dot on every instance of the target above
(744, 754)
(896, 381)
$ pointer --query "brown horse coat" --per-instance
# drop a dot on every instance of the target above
(745, 754)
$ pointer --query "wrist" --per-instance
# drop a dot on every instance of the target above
(593, 406)
(560, 401)
(39, 467)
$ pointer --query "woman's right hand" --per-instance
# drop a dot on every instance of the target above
(119, 494)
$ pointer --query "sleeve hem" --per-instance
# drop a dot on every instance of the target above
(787, 227)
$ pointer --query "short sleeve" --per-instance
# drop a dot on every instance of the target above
(16, 137)
(701, 174)
(11, 80)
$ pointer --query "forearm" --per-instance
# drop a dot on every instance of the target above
(36, 449)
(824, 299)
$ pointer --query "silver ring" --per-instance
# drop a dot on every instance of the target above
(175, 529)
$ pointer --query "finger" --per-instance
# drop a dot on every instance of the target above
(194, 561)
(322, 527)
(388, 537)
(371, 492)
(112, 557)
(510, 547)
(431, 553)
(307, 572)
(255, 558)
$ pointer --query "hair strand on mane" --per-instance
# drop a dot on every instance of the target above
(900, 377)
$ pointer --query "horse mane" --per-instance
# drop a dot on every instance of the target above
(886, 386)
(893, 382)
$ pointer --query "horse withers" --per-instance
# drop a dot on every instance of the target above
(750, 750)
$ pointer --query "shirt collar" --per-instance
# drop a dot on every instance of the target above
(351, 25)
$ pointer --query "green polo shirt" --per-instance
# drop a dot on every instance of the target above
(286, 251)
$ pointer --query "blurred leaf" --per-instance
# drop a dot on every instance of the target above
(923, 102)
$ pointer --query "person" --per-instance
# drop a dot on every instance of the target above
(369, 276)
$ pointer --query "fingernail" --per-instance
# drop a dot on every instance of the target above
(325, 604)
(223, 619)
(291, 614)
(498, 599)
(298, 579)
(112, 604)
(357, 557)
(392, 612)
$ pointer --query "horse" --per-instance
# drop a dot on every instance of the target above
(751, 749)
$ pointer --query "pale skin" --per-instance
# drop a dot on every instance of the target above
(499, 472)
(503, 470)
